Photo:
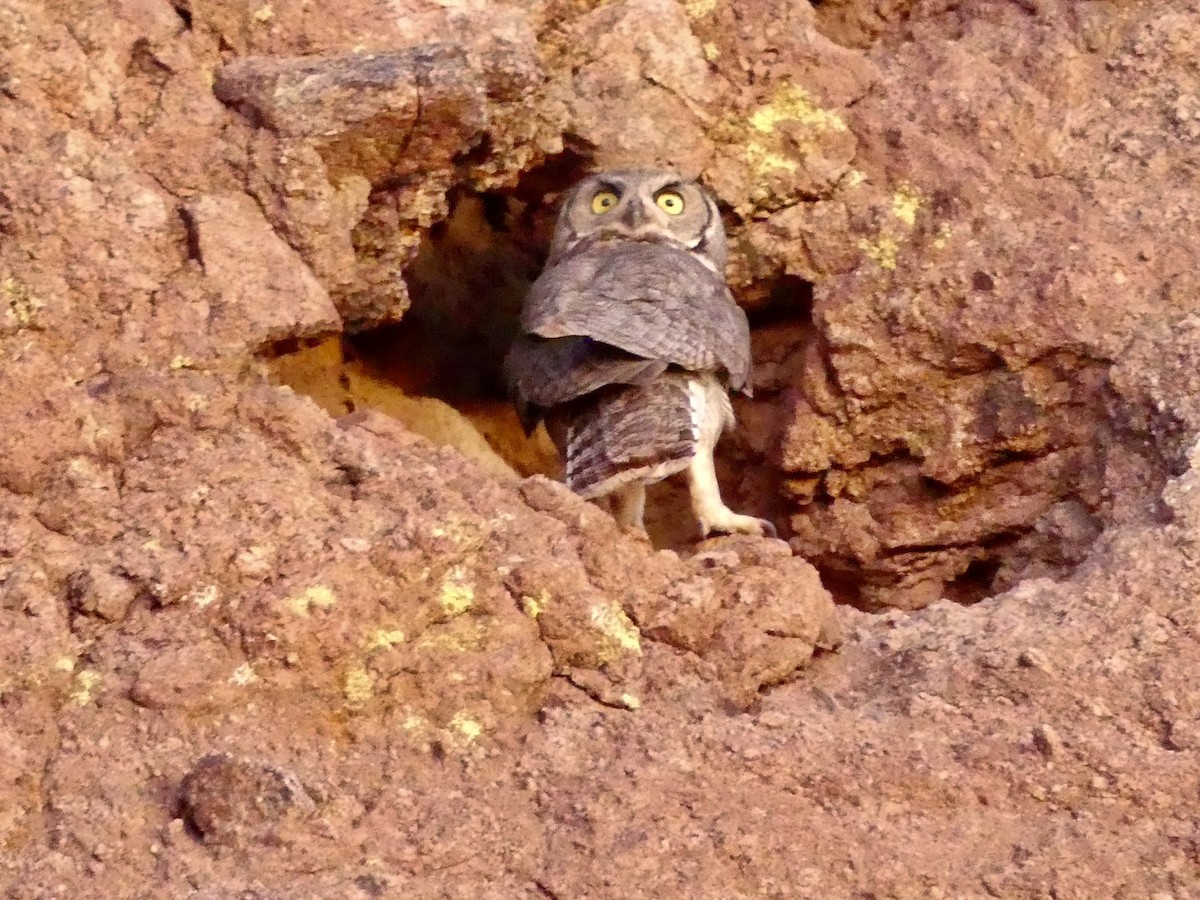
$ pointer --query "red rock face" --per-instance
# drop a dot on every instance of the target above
(948, 417)
(248, 649)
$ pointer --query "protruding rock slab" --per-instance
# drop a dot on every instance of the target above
(266, 292)
(379, 115)
(352, 154)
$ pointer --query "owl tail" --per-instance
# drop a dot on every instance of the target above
(625, 435)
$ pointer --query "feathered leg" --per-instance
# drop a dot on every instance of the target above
(711, 415)
(629, 506)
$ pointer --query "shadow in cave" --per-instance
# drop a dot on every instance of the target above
(440, 368)
(466, 285)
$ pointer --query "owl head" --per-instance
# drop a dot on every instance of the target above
(643, 206)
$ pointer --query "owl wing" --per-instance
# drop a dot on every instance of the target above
(544, 372)
(651, 300)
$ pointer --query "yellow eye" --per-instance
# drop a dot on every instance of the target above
(603, 202)
(670, 202)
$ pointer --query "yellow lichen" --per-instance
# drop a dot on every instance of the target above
(769, 152)
(85, 683)
(182, 362)
(243, 675)
(264, 14)
(905, 203)
(944, 233)
(457, 594)
(21, 307)
(466, 726)
(456, 638)
(536, 605)
(318, 596)
(699, 9)
(204, 596)
(619, 633)
(254, 560)
(882, 250)
(630, 702)
(711, 52)
(454, 530)
(383, 639)
(413, 722)
(794, 104)
(358, 686)
(764, 160)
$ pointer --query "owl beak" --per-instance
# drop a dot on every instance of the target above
(634, 217)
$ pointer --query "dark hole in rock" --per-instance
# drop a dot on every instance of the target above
(193, 240)
(439, 369)
(466, 284)
(185, 14)
(142, 61)
(982, 281)
(976, 582)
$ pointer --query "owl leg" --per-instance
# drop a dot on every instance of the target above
(629, 506)
(708, 506)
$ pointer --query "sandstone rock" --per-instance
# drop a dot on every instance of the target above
(973, 326)
(340, 387)
(266, 292)
(96, 592)
(381, 115)
(958, 371)
(339, 142)
(194, 676)
(639, 87)
(238, 802)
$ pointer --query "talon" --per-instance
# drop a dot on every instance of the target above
(735, 524)
(711, 511)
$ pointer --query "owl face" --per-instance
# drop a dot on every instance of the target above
(643, 206)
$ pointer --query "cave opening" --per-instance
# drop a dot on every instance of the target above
(439, 368)
(439, 371)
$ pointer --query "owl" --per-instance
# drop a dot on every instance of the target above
(630, 342)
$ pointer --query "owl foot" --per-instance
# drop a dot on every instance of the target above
(726, 521)
(710, 509)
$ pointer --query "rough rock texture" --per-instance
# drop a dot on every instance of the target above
(352, 154)
(951, 405)
(263, 298)
(248, 649)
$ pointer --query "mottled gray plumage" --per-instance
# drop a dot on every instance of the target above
(545, 373)
(650, 299)
(630, 340)
(622, 435)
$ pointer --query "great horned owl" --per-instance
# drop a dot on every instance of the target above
(630, 341)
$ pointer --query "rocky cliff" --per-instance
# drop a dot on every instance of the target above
(289, 608)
